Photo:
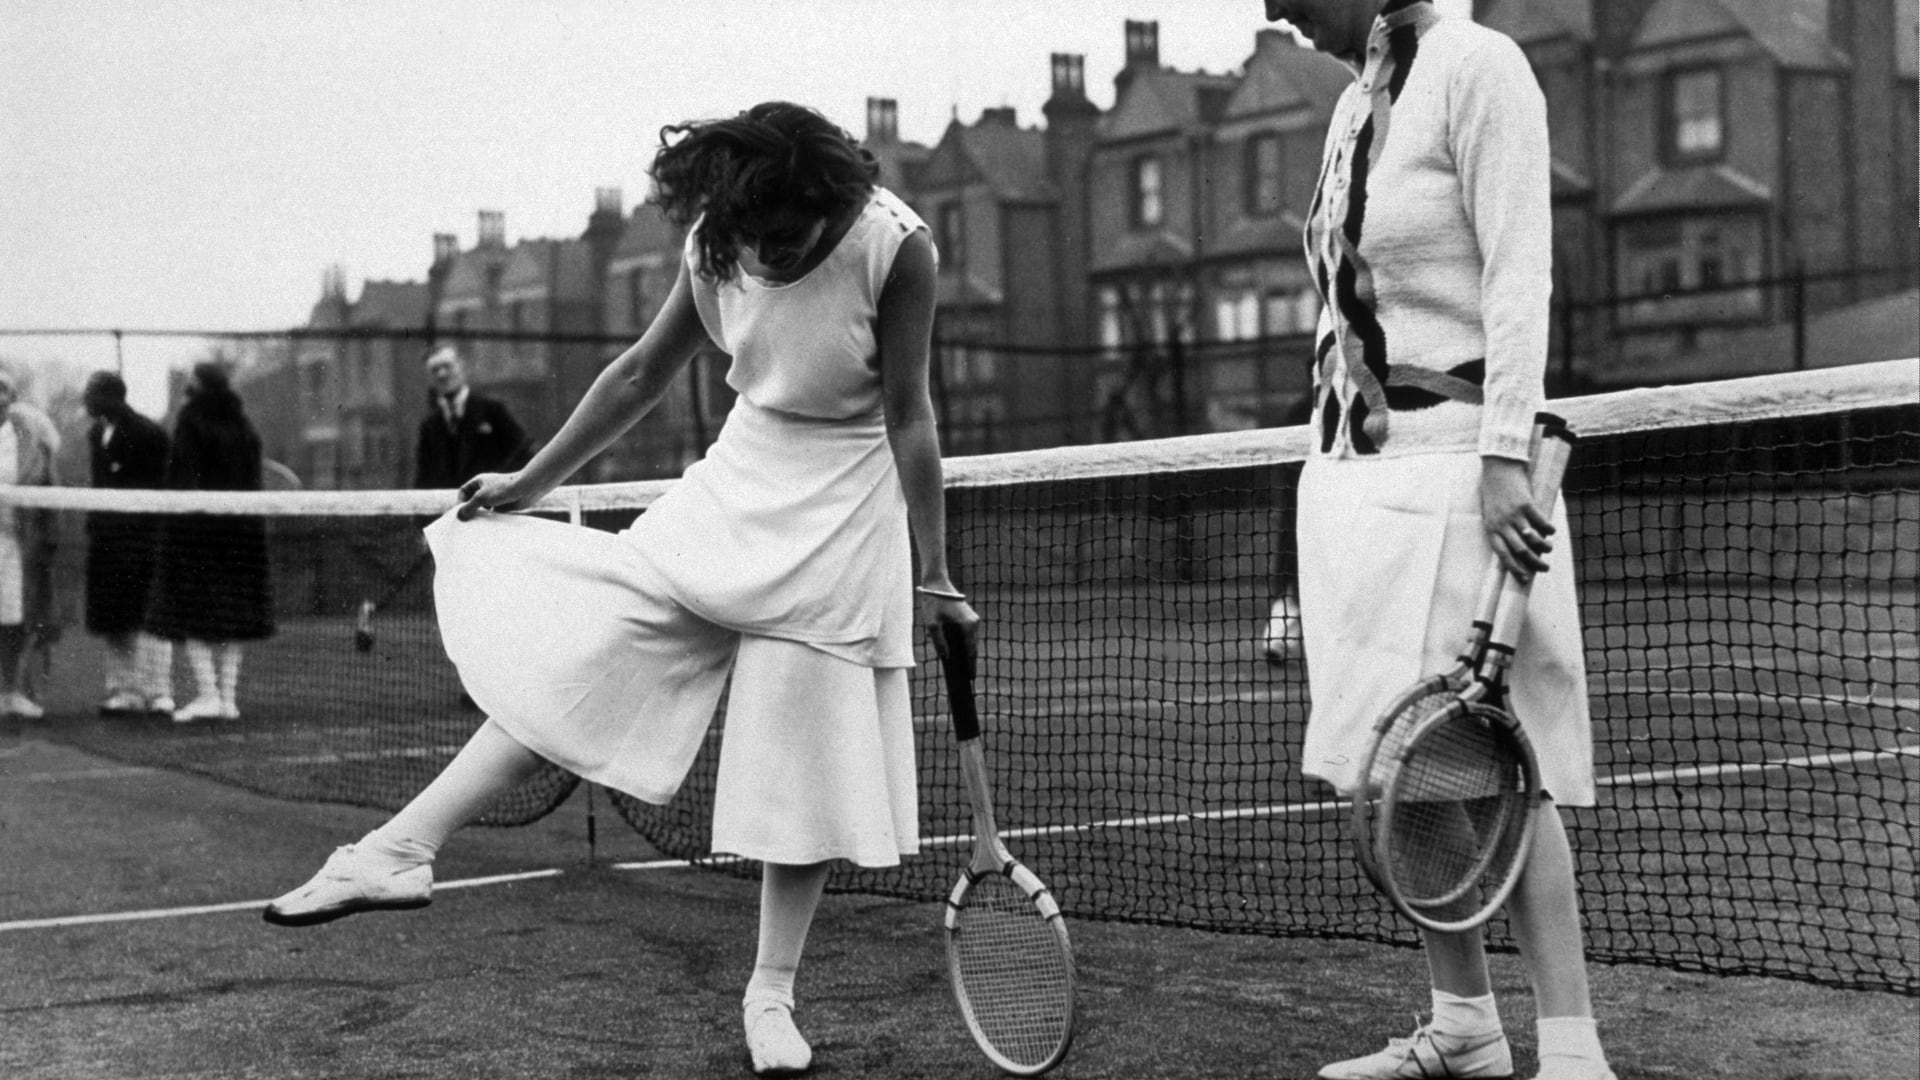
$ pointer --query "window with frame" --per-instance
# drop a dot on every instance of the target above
(1107, 319)
(1263, 176)
(1691, 269)
(953, 233)
(1236, 315)
(1148, 201)
(1695, 115)
(1296, 312)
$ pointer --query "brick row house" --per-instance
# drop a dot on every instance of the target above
(1726, 174)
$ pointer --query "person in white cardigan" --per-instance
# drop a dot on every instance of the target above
(1429, 238)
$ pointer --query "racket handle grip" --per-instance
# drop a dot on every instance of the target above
(956, 662)
(1553, 447)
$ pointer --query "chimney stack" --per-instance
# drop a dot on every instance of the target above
(446, 247)
(1069, 76)
(883, 121)
(1002, 115)
(493, 229)
(1143, 44)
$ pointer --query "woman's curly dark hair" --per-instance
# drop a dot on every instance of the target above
(774, 157)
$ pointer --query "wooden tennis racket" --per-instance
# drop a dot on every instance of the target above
(1415, 704)
(1456, 812)
(1426, 698)
(1008, 955)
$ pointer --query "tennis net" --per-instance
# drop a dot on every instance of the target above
(1746, 552)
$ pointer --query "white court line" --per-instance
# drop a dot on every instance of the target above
(103, 773)
(1697, 772)
(961, 839)
(238, 905)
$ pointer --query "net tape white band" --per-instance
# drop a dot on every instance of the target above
(1800, 393)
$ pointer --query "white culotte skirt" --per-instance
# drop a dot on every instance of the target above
(567, 637)
(1392, 557)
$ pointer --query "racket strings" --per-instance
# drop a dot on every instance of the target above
(1393, 737)
(1459, 817)
(1014, 973)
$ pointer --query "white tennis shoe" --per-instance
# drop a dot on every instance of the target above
(354, 881)
(1421, 1057)
(1280, 642)
(777, 1047)
(200, 708)
(18, 704)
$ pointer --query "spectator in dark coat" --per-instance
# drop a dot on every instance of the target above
(464, 433)
(128, 451)
(213, 590)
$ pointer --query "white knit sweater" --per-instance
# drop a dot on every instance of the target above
(1430, 237)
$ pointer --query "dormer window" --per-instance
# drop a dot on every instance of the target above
(1148, 200)
(1263, 176)
(1695, 116)
(952, 238)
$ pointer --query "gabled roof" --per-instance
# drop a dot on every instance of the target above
(647, 232)
(958, 290)
(1160, 100)
(1531, 21)
(1569, 181)
(1281, 76)
(900, 163)
(1136, 250)
(391, 303)
(471, 275)
(563, 269)
(1697, 188)
(994, 150)
(1790, 31)
(1279, 233)
(330, 311)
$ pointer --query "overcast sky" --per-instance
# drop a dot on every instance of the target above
(197, 164)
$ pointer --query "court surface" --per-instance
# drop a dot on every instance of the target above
(626, 967)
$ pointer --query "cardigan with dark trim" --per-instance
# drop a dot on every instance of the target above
(1430, 239)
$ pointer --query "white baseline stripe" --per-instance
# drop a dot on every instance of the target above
(239, 905)
(957, 839)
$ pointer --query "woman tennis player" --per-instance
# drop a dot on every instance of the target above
(782, 557)
(1430, 238)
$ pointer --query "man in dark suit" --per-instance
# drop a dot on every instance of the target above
(464, 433)
(127, 451)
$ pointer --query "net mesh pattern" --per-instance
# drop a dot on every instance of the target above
(1746, 558)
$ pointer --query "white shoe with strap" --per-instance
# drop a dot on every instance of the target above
(775, 1044)
(352, 881)
(1426, 1055)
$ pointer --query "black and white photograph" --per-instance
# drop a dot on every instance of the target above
(928, 540)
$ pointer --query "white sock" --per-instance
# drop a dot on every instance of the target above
(789, 895)
(1575, 1037)
(406, 850)
(1463, 1017)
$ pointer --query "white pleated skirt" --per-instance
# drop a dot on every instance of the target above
(1392, 557)
(569, 638)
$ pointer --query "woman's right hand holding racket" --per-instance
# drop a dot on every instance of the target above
(948, 607)
(1517, 528)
